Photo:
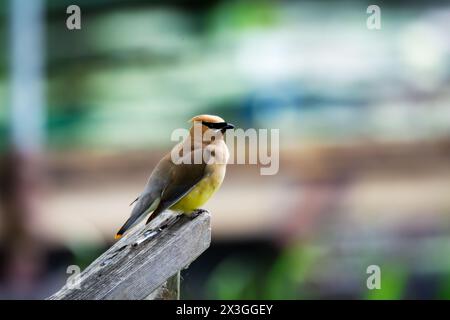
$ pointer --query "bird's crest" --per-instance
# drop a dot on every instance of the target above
(207, 118)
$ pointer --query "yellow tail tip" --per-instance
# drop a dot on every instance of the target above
(117, 236)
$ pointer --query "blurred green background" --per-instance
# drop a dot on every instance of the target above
(364, 119)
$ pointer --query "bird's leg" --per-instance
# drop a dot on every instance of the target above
(196, 213)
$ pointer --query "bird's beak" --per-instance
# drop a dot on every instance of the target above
(228, 126)
(225, 127)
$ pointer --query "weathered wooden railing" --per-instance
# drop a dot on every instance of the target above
(146, 263)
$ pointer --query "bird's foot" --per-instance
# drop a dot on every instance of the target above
(196, 213)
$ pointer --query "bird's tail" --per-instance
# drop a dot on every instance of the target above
(138, 213)
(133, 220)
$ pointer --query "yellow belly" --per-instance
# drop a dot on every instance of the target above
(199, 194)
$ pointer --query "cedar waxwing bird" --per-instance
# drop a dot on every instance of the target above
(187, 183)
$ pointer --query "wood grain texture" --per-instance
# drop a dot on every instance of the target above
(170, 290)
(144, 260)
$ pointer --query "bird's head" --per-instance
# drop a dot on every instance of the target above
(210, 122)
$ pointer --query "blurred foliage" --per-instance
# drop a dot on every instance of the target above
(444, 288)
(304, 271)
(393, 283)
(114, 83)
(234, 278)
(85, 253)
(289, 273)
(237, 16)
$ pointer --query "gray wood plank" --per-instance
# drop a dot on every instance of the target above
(144, 260)
(169, 290)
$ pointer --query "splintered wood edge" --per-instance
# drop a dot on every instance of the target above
(130, 271)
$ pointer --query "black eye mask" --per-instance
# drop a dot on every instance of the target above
(218, 125)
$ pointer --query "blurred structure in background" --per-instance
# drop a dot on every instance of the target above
(21, 167)
(365, 139)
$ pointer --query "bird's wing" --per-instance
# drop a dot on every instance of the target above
(149, 199)
(167, 184)
(183, 178)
